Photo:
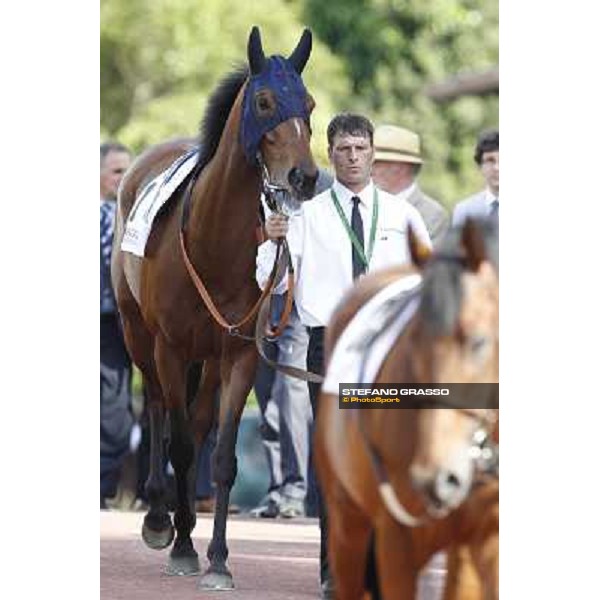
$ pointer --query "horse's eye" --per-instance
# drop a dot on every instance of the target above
(477, 344)
(264, 103)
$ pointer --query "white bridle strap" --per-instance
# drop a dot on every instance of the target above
(395, 507)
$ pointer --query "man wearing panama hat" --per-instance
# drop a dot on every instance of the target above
(395, 168)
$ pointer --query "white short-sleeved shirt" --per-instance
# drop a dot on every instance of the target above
(322, 251)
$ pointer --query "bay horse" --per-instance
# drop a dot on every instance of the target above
(255, 135)
(406, 476)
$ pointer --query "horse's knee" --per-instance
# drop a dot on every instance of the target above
(224, 466)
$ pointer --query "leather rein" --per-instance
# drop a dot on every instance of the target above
(281, 258)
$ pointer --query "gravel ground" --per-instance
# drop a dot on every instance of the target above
(270, 560)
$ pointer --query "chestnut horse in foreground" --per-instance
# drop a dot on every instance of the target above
(255, 138)
(406, 477)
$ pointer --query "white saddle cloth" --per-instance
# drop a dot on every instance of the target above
(151, 199)
(367, 339)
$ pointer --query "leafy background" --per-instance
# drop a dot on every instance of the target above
(160, 60)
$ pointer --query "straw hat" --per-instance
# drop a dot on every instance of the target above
(397, 144)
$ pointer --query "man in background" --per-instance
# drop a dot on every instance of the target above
(396, 166)
(486, 203)
(116, 419)
(287, 413)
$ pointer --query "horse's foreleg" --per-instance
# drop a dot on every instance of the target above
(237, 376)
(486, 557)
(348, 539)
(485, 543)
(202, 415)
(157, 530)
(485, 550)
(473, 568)
(183, 559)
(462, 580)
(395, 559)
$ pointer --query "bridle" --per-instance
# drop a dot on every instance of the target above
(270, 192)
(269, 189)
(483, 451)
(282, 256)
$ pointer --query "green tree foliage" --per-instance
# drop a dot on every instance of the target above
(393, 49)
(160, 60)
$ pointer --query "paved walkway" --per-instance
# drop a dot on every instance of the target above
(270, 560)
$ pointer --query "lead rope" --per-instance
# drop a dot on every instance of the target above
(232, 329)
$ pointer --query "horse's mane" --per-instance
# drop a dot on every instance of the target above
(442, 290)
(216, 114)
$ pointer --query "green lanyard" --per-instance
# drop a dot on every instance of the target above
(357, 245)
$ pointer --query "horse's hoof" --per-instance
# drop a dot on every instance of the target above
(183, 565)
(220, 581)
(158, 540)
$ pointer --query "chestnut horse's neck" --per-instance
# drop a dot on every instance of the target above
(221, 229)
(414, 357)
(416, 364)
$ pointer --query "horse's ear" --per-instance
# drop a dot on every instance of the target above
(473, 243)
(300, 55)
(256, 55)
(419, 252)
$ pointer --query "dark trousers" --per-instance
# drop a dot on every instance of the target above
(314, 363)
(116, 419)
(315, 360)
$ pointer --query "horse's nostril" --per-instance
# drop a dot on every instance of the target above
(453, 480)
(296, 178)
(301, 182)
(431, 492)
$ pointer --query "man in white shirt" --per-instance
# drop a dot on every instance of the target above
(397, 164)
(345, 231)
(319, 237)
(286, 413)
(484, 204)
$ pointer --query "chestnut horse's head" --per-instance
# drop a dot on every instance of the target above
(459, 343)
(275, 126)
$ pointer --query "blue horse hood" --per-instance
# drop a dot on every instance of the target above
(282, 79)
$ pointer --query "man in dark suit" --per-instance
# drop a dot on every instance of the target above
(116, 419)
(486, 203)
(397, 163)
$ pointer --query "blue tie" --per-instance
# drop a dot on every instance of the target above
(495, 208)
(358, 267)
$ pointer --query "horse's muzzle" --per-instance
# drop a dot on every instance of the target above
(442, 490)
(302, 183)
